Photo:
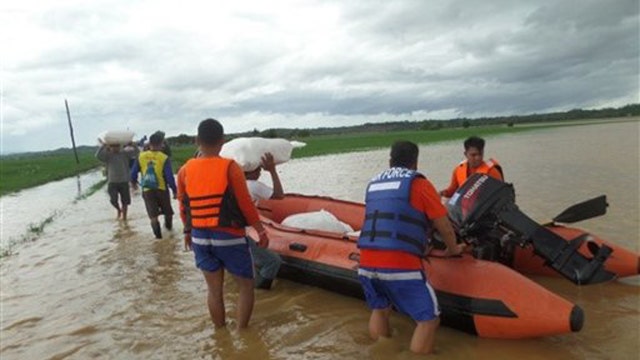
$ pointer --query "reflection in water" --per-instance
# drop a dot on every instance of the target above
(79, 186)
(94, 287)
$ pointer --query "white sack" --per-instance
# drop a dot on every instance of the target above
(116, 137)
(317, 220)
(248, 152)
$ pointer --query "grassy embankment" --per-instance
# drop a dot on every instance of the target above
(19, 172)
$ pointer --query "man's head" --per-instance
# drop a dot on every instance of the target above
(155, 141)
(114, 148)
(474, 151)
(404, 154)
(210, 134)
(254, 174)
(160, 134)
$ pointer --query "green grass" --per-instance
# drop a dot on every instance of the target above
(33, 233)
(19, 172)
(334, 144)
(322, 145)
(92, 190)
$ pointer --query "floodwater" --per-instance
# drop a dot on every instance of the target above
(90, 286)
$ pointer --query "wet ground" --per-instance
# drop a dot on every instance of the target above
(90, 286)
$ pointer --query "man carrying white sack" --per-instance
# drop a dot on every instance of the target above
(254, 154)
(266, 261)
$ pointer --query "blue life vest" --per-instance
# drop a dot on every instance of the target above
(391, 223)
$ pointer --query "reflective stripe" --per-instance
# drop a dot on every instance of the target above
(434, 298)
(390, 185)
(216, 242)
(405, 275)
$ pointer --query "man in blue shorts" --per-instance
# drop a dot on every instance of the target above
(215, 208)
(402, 207)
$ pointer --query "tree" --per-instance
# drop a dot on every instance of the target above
(270, 133)
(466, 124)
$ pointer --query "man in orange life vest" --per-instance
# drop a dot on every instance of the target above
(474, 163)
(215, 207)
(402, 207)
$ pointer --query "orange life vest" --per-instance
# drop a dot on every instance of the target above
(462, 170)
(209, 202)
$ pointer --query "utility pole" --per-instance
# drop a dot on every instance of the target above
(73, 141)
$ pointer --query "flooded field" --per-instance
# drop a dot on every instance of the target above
(89, 286)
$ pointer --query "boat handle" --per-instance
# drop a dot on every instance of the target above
(354, 256)
(298, 247)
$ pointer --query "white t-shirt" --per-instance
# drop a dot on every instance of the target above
(259, 191)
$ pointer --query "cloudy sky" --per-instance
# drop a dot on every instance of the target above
(149, 65)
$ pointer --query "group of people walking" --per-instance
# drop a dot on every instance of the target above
(217, 201)
(125, 163)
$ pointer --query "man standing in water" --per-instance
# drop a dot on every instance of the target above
(266, 261)
(473, 163)
(117, 163)
(157, 175)
(391, 251)
(215, 206)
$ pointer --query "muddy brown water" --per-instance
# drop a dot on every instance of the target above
(93, 287)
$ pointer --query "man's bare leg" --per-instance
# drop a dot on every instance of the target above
(379, 323)
(124, 212)
(245, 301)
(424, 336)
(215, 300)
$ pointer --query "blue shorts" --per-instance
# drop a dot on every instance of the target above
(215, 250)
(407, 290)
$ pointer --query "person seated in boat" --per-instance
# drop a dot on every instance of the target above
(391, 251)
(266, 261)
(473, 163)
(215, 207)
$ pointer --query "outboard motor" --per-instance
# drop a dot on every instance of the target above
(483, 213)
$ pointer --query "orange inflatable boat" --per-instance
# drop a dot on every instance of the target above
(510, 306)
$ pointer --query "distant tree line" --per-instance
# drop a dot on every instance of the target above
(575, 114)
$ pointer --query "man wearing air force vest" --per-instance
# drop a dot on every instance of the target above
(402, 207)
(157, 174)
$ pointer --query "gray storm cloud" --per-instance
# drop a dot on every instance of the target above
(307, 64)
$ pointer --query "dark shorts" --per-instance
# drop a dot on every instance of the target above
(218, 250)
(157, 202)
(408, 291)
(121, 190)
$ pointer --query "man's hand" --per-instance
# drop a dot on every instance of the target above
(187, 241)
(456, 250)
(264, 239)
(268, 163)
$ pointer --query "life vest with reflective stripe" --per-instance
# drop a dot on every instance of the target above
(484, 168)
(209, 201)
(157, 158)
(391, 223)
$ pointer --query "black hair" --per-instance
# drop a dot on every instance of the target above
(403, 154)
(210, 132)
(156, 139)
(474, 142)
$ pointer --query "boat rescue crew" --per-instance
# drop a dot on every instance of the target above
(215, 207)
(401, 208)
(472, 164)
